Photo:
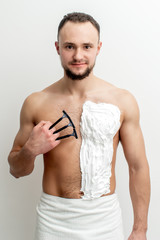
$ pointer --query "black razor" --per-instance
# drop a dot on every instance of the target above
(70, 124)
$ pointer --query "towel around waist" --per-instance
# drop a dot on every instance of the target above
(76, 218)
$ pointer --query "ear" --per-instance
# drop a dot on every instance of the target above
(99, 47)
(57, 46)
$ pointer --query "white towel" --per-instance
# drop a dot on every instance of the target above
(77, 219)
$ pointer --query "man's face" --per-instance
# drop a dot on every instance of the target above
(78, 47)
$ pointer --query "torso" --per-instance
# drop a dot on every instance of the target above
(62, 173)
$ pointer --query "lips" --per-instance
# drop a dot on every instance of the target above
(78, 62)
(81, 64)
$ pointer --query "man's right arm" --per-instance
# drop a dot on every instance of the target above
(30, 141)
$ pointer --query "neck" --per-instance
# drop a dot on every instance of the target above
(78, 88)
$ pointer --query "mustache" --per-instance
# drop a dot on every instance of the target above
(76, 61)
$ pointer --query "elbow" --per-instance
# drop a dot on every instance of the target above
(19, 168)
(11, 170)
(21, 173)
(139, 171)
(13, 174)
(139, 167)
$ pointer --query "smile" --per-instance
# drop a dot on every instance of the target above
(78, 64)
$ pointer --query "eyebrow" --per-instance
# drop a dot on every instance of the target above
(70, 43)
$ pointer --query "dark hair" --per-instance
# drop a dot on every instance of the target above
(78, 17)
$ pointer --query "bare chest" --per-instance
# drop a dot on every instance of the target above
(96, 125)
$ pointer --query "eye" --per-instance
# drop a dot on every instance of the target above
(87, 47)
(69, 47)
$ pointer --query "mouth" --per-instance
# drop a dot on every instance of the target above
(78, 64)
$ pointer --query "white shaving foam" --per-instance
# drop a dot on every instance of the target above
(99, 124)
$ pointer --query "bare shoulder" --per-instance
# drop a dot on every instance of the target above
(37, 98)
(124, 99)
(31, 104)
(28, 109)
(33, 100)
(128, 104)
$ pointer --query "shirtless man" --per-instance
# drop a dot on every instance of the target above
(78, 199)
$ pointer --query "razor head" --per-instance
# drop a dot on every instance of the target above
(69, 135)
(70, 120)
(70, 124)
(75, 133)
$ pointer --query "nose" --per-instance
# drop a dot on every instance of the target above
(78, 55)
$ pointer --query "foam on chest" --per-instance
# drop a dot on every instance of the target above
(99, 124)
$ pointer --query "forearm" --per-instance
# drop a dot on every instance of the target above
(140, 196)
(21, 162)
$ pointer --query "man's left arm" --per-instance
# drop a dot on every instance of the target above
(139, 181)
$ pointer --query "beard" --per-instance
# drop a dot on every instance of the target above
(74, 76)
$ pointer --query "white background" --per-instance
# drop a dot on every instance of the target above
(129, 58)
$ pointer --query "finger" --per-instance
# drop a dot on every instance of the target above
(52, 130)
(47, 125)
(57, 142)
(56, 135)
(41, 124)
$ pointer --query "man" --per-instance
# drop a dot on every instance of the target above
(79, 199)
